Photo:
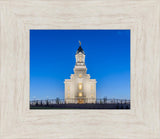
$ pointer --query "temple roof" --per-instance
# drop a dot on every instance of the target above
(80, 50)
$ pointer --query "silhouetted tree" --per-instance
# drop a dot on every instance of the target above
(41, 103)
(36, 102)
(57, 100)
(113, 100)
(105, 99)
(47, 103)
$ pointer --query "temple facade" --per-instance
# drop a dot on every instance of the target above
(80, 88)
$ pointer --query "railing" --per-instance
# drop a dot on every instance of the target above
(63, 101)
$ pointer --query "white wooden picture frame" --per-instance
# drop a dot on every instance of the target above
(17, 121)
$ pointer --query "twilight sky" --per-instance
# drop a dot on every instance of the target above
(52, 59)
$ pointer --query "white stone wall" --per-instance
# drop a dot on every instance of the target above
(72, 85)
(88, 89)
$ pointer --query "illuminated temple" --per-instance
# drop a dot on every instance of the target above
(80, 88)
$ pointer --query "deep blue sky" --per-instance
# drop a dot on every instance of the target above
(52, 59)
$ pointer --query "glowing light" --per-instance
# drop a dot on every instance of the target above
(80, 86)
(80, 94)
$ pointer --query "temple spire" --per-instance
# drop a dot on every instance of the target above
(80, 49)
(79, 43)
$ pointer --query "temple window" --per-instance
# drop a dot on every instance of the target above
(80, 86)
(80, 94)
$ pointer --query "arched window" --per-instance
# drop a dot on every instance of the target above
(80, 86)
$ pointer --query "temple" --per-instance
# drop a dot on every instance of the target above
(80, 88)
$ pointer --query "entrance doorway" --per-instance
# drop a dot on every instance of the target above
(80, 101)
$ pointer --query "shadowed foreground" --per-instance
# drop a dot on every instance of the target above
(81, 106)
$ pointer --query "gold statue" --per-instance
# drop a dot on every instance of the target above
(79, 43)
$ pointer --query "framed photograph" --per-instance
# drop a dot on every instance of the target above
(79, 69)
(106, 55)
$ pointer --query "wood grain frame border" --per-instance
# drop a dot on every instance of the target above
(18, 17)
